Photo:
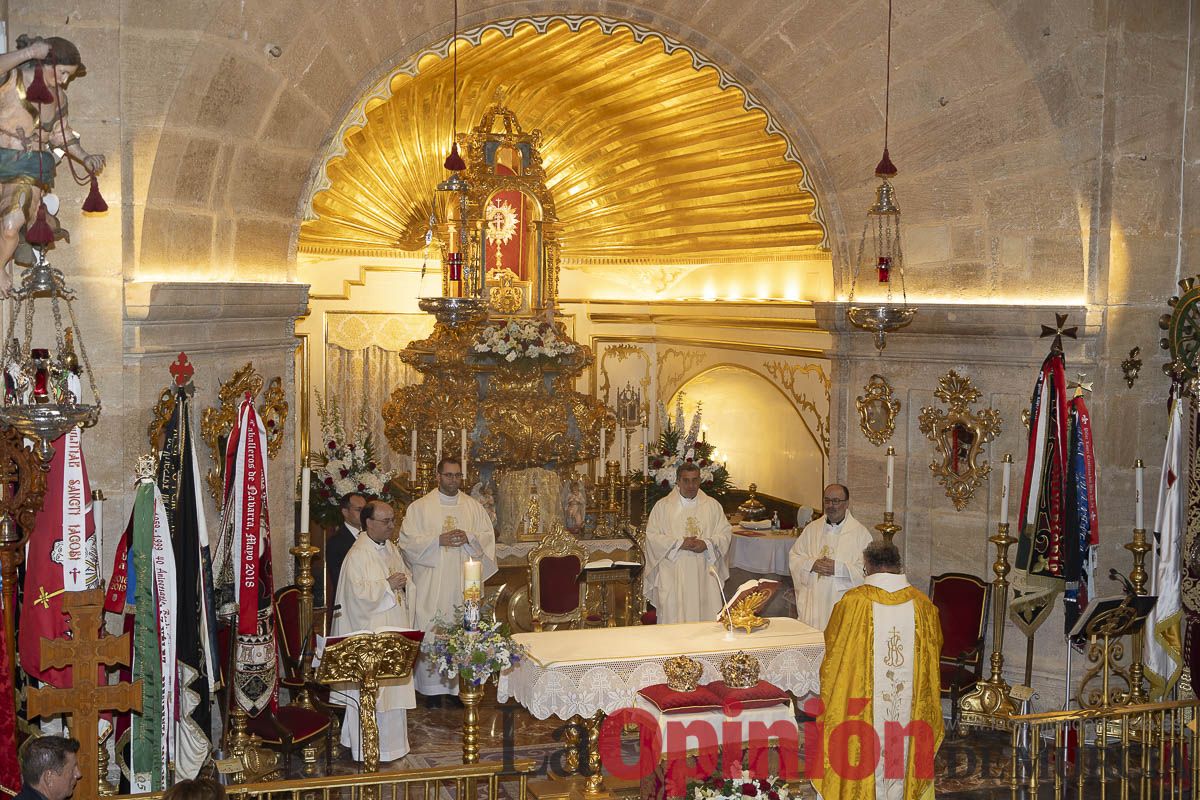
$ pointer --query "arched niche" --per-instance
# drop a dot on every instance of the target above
(758, 431)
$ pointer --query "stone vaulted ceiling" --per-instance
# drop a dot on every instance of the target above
(648, 158)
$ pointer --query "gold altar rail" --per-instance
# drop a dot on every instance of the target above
(457, 782)
(1136, 751)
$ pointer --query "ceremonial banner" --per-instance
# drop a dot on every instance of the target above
(154, 637)
(1039, 574)
(178, 478)
(244, 583)
(10, 768)
(1163, 649)
(1082, 524)
(60, 556)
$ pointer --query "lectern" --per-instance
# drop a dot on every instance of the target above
(366, 659)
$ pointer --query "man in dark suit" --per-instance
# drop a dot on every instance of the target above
(49, 769)
(342, 540)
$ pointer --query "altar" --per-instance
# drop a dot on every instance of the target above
(581, 672)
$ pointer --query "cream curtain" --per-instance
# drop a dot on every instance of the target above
(362, 363)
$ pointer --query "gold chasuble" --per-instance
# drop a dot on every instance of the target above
(882, 646)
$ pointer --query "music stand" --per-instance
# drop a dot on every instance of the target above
(365, 659)
(607, 578)
(1107, 619)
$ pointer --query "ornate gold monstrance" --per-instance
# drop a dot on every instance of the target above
(522, 410)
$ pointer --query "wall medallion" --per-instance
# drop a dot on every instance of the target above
(877, 410)
(958, 436)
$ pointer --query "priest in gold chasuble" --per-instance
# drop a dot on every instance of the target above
(441, 531)
(687, 538)
(882, 647)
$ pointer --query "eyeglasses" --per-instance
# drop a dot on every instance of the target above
(450, 474)
(833, 501)
(384, 520)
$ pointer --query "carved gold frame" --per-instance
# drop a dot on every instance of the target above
(559, 544)
(878, 392)
(217, 423)
(941, 428)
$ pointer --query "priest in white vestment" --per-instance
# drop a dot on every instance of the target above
(441, 531)
(882, 645)
(687, 538)
(826, 561)
(373, 593)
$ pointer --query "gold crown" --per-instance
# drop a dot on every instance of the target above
(683, 673)
(740, 671)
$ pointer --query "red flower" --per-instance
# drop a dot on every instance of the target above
(371, 467)
(689, 461)
(332, 445)
(344, 472)
(772, 795)
(329, 481)
(749, 790)
(666, 484)
(361, 487)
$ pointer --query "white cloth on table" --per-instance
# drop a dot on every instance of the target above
(368, 603)
(765, 555)
(437, 571)
(816, 594)
(677, 582)
(570, 672)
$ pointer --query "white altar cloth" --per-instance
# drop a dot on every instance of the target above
(764, 553)
(581, 672)
(520, 550)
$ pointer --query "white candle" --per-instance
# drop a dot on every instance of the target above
(603, 448)
(412, 467)
(305, 483)
(1139, 521)
(463, 448)
(438, 448)
(645, 453)
(1005, 488)
(472, 579)
(891, 473)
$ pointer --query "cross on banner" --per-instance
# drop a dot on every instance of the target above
(85, 652)
(1059, 330)
(182, 370)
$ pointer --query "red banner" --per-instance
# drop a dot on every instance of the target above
(251, 528)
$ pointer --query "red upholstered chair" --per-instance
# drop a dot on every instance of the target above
(556, 593)
(289, 729)
(962, 604)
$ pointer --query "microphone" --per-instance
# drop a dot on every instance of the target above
(712, 570)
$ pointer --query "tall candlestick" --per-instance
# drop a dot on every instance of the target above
(1139, 470)
(891, 474)
(98, 521)
(412, 467)
(305, 483)
(438, 448)
(463, 447)
(1005, 487)
(645, 453)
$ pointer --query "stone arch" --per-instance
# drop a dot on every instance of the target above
(242, 129)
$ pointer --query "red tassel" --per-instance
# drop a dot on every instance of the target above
(885, 168)
(95, 201)
(40, 233)
(38, 91)
(454, 162)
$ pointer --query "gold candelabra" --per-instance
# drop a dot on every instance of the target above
(470, 697)
(1139, 547)
(304, 552)
(989, 704)
(888, 528)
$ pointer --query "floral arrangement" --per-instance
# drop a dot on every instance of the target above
(680, 443)
(718, 788)
(474, 653)
(524, 338)
(350, 464)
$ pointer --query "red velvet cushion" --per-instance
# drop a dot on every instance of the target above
(287, 621)
(760, 695)
(650, 617)
(960, 606)
(559, 578)
(966, 677)
(669, 701)
(302, 723)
